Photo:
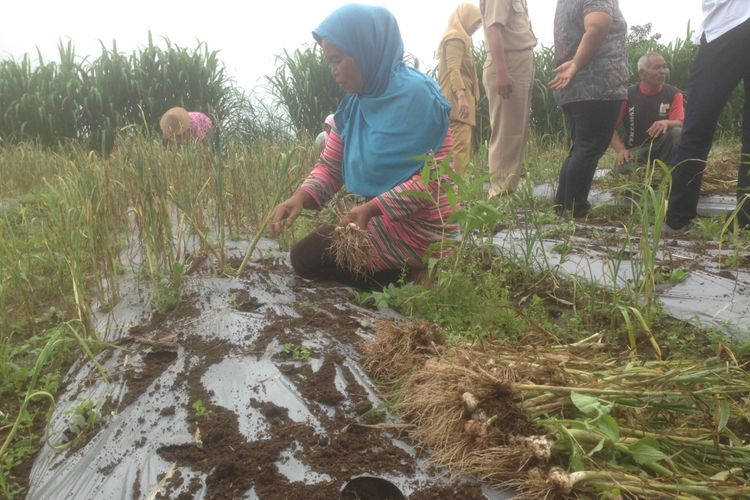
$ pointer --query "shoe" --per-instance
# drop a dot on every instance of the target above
(684, 229)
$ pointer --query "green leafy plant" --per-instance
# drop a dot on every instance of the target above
(168, 290)
(84, 418)
(199, 408)
(709, 228)
(678, 276)
(298, 352)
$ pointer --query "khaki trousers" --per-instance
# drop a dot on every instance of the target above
(509, 121)
(461, 145)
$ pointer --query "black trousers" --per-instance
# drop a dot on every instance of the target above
(718, 67)
(591, 126)
(312, 259)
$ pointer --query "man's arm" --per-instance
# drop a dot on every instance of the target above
(496, 47)
(622, 154)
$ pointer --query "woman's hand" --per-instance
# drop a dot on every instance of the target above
(596, 26)
(361, 214)
(563, 75)
(285, 214)
(463, 105)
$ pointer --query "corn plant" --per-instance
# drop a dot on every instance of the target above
(90, 100)
(305, 89)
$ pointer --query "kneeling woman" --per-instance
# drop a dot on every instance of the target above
(390, 116)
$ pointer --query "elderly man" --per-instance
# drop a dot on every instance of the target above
(651, 118)
(722, 62)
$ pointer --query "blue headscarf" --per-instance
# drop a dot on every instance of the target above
(399, 114)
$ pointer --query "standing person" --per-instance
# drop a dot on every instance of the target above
(457, 76)
(590, 84)
(390, 115)
(322, 138)
(722, 61)
(179, 125)
(651, 117)
(508, 78)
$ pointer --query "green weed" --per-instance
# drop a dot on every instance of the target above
(84, 418)
(709, 228)
(199, 408)
(298, 352)
(168, 290)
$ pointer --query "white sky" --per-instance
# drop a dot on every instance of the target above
(250, 34)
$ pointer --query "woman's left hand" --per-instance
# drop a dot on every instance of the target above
(563, 75)
(361, 215)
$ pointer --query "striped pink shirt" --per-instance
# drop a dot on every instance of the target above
(408, 224)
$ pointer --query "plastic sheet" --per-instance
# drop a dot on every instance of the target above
(226, 346)
(708, 206)
(709, 297)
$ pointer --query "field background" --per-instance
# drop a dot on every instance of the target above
(88, 193)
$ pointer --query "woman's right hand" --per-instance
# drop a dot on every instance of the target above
(463, 106)
(285, 214)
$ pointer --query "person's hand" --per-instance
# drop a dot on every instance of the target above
(361, 215)
(623, 156)
(463, 106)
(285, 214)
(658, 128)
(504, 84)
(563, 75)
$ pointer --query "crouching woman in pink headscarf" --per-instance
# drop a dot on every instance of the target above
(179, 126)
(390, 116)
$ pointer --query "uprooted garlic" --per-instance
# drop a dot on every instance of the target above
(563, 481)
(470, 401)
(475, 428)
(541, 446)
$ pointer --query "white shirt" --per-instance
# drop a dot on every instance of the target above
(720, 16)
(321, 139)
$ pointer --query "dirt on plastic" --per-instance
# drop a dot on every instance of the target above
(234, 465)
(221, 461)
